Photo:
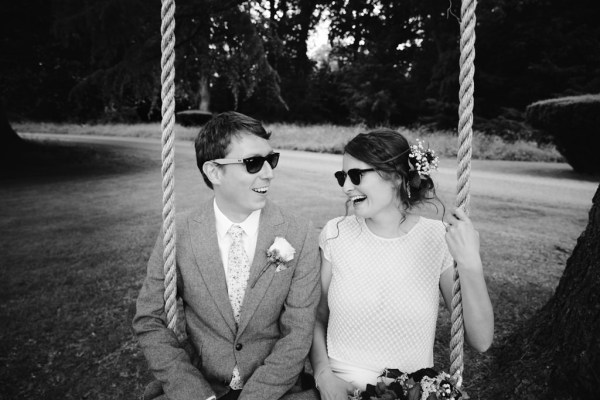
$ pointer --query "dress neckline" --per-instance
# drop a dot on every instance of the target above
(364, 225)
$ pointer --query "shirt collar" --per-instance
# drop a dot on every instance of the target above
(222, 223)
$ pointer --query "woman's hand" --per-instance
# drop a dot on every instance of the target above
(462, 239)
(333, 388)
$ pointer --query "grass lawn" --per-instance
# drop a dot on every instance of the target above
(77, 227)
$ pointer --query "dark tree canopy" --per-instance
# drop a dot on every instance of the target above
(390, 62)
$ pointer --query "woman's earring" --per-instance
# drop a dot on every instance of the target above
(408, 189)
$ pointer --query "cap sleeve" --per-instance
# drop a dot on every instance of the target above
(325, 238)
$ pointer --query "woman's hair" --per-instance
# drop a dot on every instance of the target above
(387, 152)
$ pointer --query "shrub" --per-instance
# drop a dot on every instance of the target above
(193, 117)
(573, 123)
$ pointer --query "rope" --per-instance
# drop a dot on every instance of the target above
(465, 135)
(167, 31)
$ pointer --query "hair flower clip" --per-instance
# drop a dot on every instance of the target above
(421, 160)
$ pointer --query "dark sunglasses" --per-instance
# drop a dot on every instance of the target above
(355, 175)
(253, 164)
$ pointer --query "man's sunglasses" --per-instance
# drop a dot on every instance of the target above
(253, 164)
(355, 175)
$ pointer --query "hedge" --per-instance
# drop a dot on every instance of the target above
(193, 117)
(573, 123)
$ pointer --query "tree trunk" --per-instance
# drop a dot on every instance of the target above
(557, 353)
(204, 94)
(307, 9)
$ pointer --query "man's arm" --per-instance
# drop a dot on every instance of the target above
(167, 360)
(283, 366)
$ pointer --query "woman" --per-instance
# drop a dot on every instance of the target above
(383, 268)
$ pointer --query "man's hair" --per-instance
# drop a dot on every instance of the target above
(214, 138)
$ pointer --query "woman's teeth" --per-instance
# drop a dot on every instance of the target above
(357, 199)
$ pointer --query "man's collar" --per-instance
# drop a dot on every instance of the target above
(249, 225)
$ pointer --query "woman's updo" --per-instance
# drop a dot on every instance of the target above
(388, 152)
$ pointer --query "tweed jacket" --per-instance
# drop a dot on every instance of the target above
(277, 315)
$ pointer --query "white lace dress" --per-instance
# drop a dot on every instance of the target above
(383, 297)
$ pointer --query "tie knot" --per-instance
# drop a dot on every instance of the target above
(236, 232)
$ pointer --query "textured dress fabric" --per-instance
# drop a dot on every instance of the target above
(383, 297)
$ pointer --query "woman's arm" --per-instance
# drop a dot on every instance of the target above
(330, 386)
(478, 315)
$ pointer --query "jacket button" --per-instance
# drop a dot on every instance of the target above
(238, 346)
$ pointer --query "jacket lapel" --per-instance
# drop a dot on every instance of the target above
(271, 224)
(208, 260)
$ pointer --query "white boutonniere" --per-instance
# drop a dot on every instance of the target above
(279, 254)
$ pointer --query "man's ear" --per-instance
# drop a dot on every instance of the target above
(213, 172)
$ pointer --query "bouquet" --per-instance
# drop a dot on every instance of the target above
(424, 384)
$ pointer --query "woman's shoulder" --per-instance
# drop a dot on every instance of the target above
(433, 227)
(342, 224)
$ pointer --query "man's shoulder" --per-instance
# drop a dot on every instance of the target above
(197, 213)
(294, 220)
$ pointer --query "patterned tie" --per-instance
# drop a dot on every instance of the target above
(238, 271)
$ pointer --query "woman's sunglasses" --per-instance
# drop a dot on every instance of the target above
(355, 175)
(253, 164)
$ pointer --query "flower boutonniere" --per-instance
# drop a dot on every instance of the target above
(279, 254)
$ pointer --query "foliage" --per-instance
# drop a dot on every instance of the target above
(573, 123)
(536, 49)
(36, 73)
(390, 63)
(103, 57)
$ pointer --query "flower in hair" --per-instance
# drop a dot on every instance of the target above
(421, 160)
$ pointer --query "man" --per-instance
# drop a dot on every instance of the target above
(249, 313)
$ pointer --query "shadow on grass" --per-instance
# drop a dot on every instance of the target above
(77, 226)
(49, 160)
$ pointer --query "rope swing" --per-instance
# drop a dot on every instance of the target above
(167, 31)
(465, 134)
(463, 173)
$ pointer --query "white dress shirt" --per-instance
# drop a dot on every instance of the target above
(250, 235)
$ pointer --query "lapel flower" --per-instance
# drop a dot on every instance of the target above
(279, 254)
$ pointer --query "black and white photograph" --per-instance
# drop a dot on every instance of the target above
(300, 200)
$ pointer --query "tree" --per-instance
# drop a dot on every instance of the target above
(375, 44)
(222, 42)
(36, 72)
(529, 50)
(102, 57)
(556, 355)
(288, 25)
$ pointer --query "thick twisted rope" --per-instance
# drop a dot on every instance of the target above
(465, 135)
(167, 31)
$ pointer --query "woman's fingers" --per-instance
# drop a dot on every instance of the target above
(456, 217)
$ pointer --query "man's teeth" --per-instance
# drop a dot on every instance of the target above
(355, 199)
(261, 190)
